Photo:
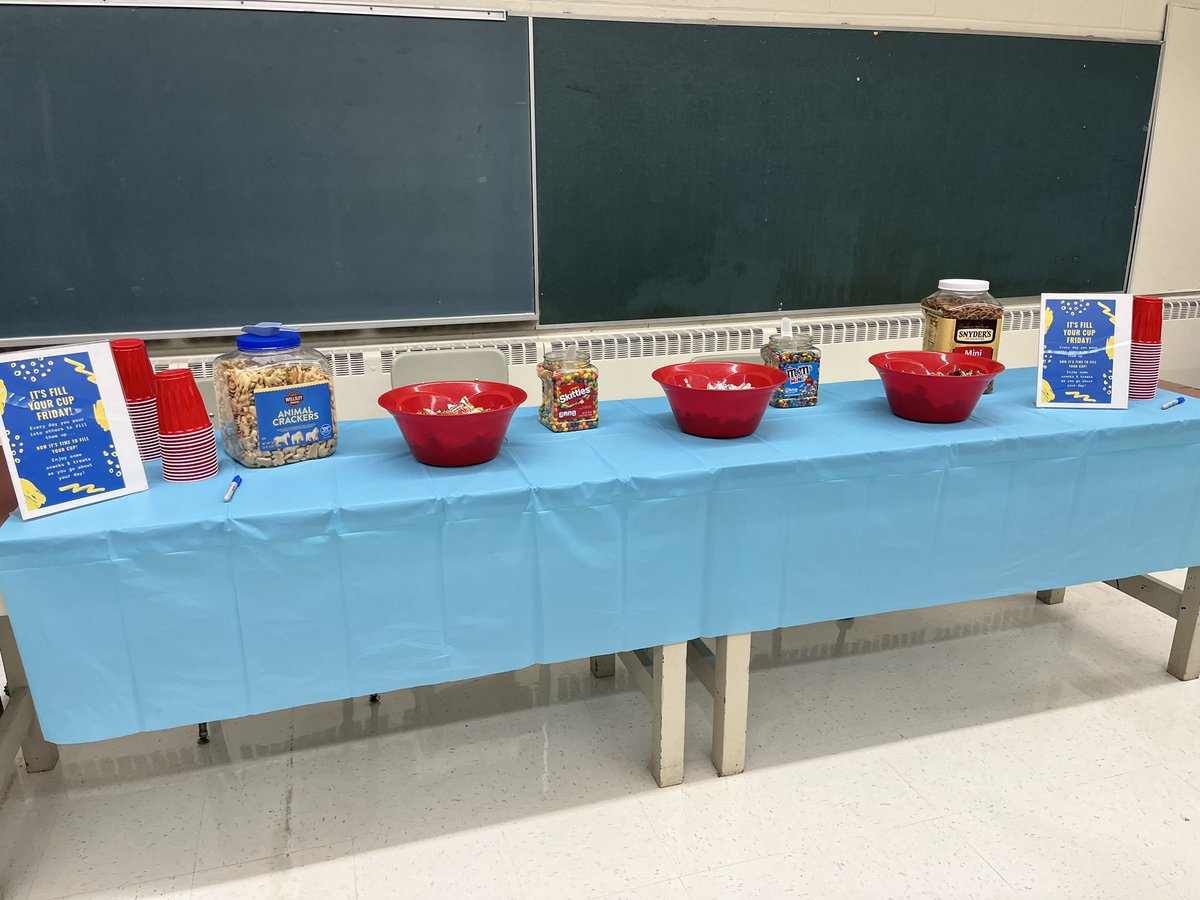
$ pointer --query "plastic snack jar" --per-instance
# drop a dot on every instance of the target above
(800, 361)
(962, 317)
(274, 399)
(570, 390)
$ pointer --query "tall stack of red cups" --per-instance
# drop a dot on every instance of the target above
(137, 383)
(1145, 355)
(189, 446)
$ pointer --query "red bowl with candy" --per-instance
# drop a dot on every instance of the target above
(927, 386)
(718, 399)
(454, 423)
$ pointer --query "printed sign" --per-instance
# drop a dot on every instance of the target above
(66, 433)
(1084, 355)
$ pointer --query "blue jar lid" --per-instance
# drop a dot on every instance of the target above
(267, 336)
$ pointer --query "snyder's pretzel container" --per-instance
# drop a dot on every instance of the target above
(275, 399)
(962, 317)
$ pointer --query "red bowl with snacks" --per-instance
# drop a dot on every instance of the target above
(927, 386)
(718, 399)
(454, 423)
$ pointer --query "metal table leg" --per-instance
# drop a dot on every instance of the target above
(20, 725)
(1184, 661)
(1181, 605)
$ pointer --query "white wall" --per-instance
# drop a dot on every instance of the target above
(1122, 19)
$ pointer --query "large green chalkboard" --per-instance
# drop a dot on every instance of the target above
(182, 169)
(699, 170)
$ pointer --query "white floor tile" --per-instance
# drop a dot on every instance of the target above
(956, 769)
(846, 794)
(324, 872)
(110, 841)
(467, 864)
(25, 827)
(588, 852)
(923, 860)
(720, 821)
(1151, 812)
(1164, 892)
(662, 890)
(1064, 845)
(178, 887)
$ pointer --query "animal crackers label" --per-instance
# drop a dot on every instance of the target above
(293, 415)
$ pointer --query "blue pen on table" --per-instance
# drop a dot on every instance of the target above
(233, 486)
(1174, 402)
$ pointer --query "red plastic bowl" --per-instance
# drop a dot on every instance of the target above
(915, 389)
(454, 440)
(718, 414)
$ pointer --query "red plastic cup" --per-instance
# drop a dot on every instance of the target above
(133, 368)
(1144, 362)
(180, 406)
(1147, 320)
(189, 476)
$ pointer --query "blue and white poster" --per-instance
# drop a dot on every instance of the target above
(1083, 360)
(66, 432)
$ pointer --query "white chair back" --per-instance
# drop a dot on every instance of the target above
(476, 364)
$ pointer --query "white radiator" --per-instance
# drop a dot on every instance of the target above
(625, 358)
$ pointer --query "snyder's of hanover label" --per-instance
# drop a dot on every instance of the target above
(293, 415)
(974, 337)
(974, 333)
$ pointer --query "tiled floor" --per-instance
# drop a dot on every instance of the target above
(992, 749)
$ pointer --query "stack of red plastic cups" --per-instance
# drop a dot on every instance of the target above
(189, 446)
(1145, 355)
(137, 383)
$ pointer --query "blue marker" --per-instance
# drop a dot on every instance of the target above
(1174, 402)
(233, 486)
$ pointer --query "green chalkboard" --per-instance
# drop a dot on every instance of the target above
(188, 169)
(700, 169)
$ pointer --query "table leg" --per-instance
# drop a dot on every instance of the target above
(1184, 662)
(668, 702)
(1052, 596)
(731, 696)
(661, 675)
(604, 666)
(40, 755)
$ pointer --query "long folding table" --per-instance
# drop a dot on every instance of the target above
(369, 572)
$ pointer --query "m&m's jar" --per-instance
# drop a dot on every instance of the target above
(800, 361)
(570, 400)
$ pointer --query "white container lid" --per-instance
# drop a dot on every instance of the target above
(964, 285)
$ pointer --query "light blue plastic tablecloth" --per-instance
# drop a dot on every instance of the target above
(369, 572)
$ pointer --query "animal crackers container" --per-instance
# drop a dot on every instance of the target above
(275, 399)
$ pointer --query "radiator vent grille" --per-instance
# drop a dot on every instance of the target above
(1181, 309)
(345, 362)
(201, 368)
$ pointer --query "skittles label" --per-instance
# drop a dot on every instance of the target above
(293, 415)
